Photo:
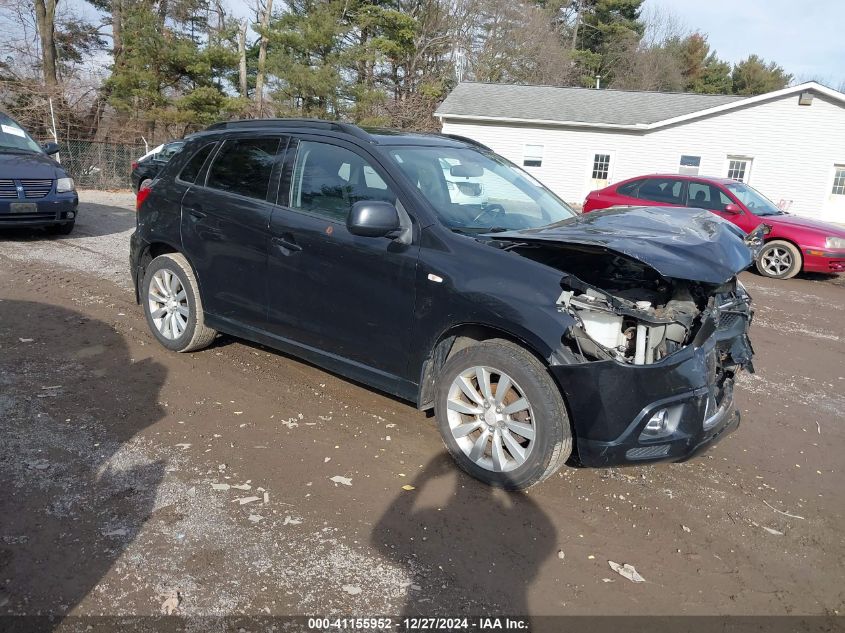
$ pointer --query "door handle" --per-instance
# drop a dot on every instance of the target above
(287, 246)
(197, 213)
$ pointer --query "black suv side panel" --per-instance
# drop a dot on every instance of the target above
(225, 237)
(353, 295)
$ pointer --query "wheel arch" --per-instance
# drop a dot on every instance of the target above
(153, 250)
(454, 339)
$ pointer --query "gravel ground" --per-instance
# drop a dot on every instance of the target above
(132, 475)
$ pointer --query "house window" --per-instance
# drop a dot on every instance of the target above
(601, 166)
(839, 181)
(739, 168)
(532, 156)
(689, 165)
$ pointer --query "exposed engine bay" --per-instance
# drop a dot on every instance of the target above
(627, 311)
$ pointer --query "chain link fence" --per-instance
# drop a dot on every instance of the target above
(98, 165)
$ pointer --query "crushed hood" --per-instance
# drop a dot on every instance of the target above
(689, 244)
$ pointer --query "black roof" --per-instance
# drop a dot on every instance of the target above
(375, 136)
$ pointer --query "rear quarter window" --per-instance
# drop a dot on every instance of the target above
(665, 190)
(192, 169)
(629, 188)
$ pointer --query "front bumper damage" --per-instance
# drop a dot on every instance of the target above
(611, 402)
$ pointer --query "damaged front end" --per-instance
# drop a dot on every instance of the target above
(652, 352)
(642, 324)
(655, 368)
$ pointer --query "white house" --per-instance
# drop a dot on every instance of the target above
(788, 144)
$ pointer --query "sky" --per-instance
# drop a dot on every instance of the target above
(803, 36)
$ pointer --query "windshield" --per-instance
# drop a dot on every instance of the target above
(14, 139)
(754, 201)
(479, 192)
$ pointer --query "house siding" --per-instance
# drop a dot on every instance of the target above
(793, 150)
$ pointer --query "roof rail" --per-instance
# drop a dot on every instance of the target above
(319, 124)
(466, 139)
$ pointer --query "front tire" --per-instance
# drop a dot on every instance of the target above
(172, 304)
(501, 416)
(61, 229)
(779, 259)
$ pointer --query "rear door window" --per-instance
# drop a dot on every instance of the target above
(664, 190)
(244, 166)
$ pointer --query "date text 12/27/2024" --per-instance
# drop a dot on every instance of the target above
(420, 624)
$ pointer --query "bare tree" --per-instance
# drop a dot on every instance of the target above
(519, 42)
(653, 62)
(242, 84)
(45, 16)
(262, 54)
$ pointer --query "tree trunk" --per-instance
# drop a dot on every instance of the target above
(45, 17)
(117, 31)
(262, 58)
(575, 27)
(242, 57)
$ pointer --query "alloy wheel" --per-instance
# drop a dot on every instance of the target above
(776, 261)
(491, 419)
(168, 304)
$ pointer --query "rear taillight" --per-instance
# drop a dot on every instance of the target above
(134, 164)
(143, 193)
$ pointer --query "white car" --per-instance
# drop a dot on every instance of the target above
(463, 189)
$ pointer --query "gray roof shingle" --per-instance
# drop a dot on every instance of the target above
(584, 105)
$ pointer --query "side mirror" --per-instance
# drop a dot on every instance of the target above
(373, 218)
(50, 148)
(732, 208)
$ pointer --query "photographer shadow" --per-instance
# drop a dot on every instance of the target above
(472, 550)
(76, 492)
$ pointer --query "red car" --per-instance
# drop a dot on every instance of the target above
(794, 243)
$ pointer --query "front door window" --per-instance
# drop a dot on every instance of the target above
(328, 180)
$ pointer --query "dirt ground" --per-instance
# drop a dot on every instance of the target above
(113, 451)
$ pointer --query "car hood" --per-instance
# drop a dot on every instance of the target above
(14, 165)
(680, 243)
(804, 223)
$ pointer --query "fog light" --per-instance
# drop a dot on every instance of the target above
(70, 215)
(657, 423)
(663, 422)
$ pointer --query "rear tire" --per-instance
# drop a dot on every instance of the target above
(511, 440)
(172, 304)
(779, 259)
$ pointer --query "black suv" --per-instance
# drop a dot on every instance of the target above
(528, 328)
(146, 168)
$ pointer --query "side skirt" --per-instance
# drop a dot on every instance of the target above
(345, 368)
